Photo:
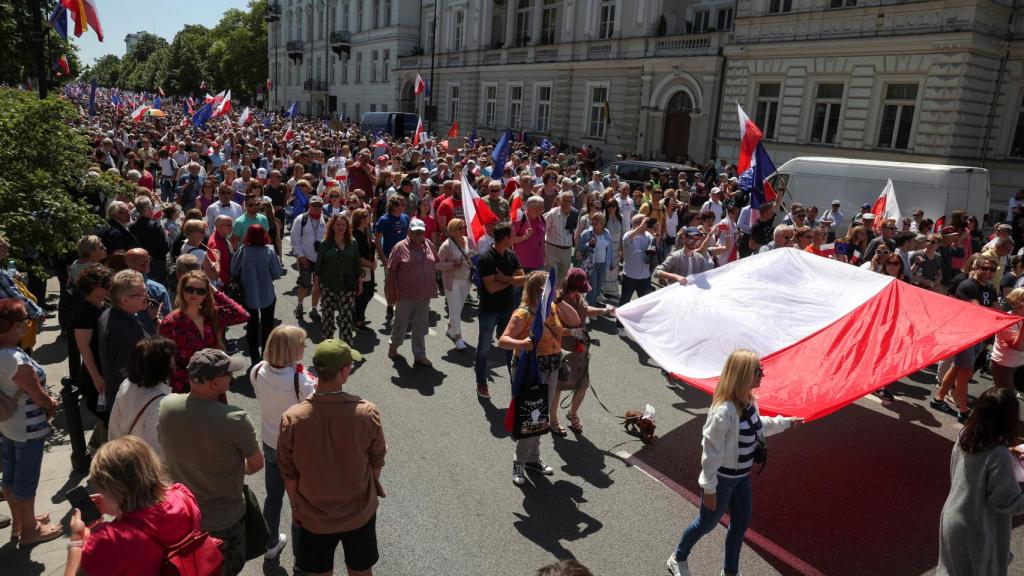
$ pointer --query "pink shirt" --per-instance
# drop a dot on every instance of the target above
(531, 250)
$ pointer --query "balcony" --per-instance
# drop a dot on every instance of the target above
(315, 85)
(273, 12)
(294, 49)
(341, 42)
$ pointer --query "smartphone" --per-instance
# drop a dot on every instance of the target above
(79, 498)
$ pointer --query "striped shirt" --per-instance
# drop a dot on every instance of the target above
(29, 421)
(750, 431)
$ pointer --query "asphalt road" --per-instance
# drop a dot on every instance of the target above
(858, 492)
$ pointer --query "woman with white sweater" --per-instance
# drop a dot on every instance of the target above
(733, 441)
(137, 408)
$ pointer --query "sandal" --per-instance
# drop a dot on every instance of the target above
(558, 430)
(47, 533)
(574, 423)
(40, 518)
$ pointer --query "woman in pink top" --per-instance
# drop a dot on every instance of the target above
(528, 235)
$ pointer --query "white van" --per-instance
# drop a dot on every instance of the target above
(936, 189)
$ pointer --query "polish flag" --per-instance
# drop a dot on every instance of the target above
(288, 134)
(161, 90)
(453, 132)
(476, 211)
(419, 133)
(750, 135)
(139, 113)
(419, 86)
(860, 330)
(224, 105)
(245, 117)
(886, 206)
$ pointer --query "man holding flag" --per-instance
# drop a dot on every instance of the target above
(534, 332)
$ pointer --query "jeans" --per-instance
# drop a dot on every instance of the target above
(642, 287)
(166, 189)
(22, 464)
(597, 276)
(257, 329)
(734, 494)
(492, 324)
(275, 496)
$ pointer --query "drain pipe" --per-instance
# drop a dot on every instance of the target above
(999, 83)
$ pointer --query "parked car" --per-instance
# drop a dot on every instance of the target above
(636, 172)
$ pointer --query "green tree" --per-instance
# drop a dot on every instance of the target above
(42, 159)
(238, 54)
(185, 65)
(106, 71)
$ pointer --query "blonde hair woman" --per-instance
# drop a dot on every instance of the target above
(549, 355)
(280, 381)
(733, 436)
(90, 251)
(149, 514)
(454, 260)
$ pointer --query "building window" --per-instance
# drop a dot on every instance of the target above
(724, 19)
(387, 18)
(522, 29)
(459, 30)
(701, 21)
(453, 103)
(842, 3)
(1017, 146)
(344, 70)
(828, 104)
(597, 117)
(897, 116)
(344, 16)
(376, 15)
(359, 67)
(386, 73)
(767, 116)
(373, 66)
(490, 104)
(780, 6)
(606, 25)
(334, 64)
(549, 22)
(359, 115)
(359, 19)
(515, 107)
(543, 123)
(373, 107)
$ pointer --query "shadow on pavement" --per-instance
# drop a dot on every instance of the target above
(867, 502)
(552, 515)
(17, 562)
(495, 417)
(418, 378)
(583, 460)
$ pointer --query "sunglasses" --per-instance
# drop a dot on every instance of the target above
(986, 269)
(880, 253)
(195, 290)
(759, 372)
(334, 195)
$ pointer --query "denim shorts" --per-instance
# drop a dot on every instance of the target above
(22, 463)
(966, 357)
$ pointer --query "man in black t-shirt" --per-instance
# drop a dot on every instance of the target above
(977, 289)
(499, 272)
(763, 230)
(277, 191)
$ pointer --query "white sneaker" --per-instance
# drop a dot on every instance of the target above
(518, 475)
(677, 567)
(275, 550)
(460, 344)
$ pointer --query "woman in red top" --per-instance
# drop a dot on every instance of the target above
(200, 316)
(149, 514)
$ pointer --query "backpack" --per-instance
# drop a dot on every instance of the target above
(198, 554)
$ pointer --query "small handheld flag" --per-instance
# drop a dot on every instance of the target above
(420, 85)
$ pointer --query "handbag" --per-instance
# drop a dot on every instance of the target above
(234, 287)
(255, 526)
(198, 554)
(139, 415)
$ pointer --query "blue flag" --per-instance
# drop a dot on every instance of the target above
(291, 110)
(471, 140)
(202, 115)
(92, 98)
(115, 100)
(545, 144)
(755, 178)
(501, 153)
(157, 102)
(59, 20)
(299, 202)
(268, 119)
(528, 360)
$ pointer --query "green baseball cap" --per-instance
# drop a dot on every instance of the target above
(334, 354)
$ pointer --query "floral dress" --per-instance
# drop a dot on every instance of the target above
(180, 328)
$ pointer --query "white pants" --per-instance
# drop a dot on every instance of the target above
(456, 297)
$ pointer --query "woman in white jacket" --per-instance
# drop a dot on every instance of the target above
(732, 434)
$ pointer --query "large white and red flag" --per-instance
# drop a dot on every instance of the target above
(858, 329)
(476, 211)
(223, 106)
(886, 206)
(750, 135)
(245, 117)
(418, 137)
(419, 86)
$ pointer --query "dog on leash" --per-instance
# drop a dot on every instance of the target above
(637, 424)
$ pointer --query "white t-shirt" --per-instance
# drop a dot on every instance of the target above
(275, 392)
(1003, 353)
(600, 249)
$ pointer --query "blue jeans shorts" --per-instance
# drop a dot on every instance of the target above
(22, 463)
(966, 357)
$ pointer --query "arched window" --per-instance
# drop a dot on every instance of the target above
(681, 102)
(298, 25)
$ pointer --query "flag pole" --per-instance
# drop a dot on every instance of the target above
(37, 47)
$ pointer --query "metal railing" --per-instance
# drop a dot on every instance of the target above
(315, 85)
(341, 37)
(294, 46)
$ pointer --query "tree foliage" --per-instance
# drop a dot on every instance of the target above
(231, 55)
(42, 160)
(19, 61)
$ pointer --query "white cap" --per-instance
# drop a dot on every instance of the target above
(417, 225)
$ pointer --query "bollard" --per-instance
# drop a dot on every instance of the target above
(73, 421)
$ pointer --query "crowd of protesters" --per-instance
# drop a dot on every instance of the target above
(195, 245)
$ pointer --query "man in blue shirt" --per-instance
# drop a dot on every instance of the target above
(391, 229)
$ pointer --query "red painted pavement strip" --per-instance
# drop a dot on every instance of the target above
(756, 539)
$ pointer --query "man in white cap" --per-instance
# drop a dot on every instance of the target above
(714, 204)
(410, 285)
(308, 231)
(210, 447)
(834, 216)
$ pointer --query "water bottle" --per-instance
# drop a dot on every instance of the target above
(101, 404)
(12, 268)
